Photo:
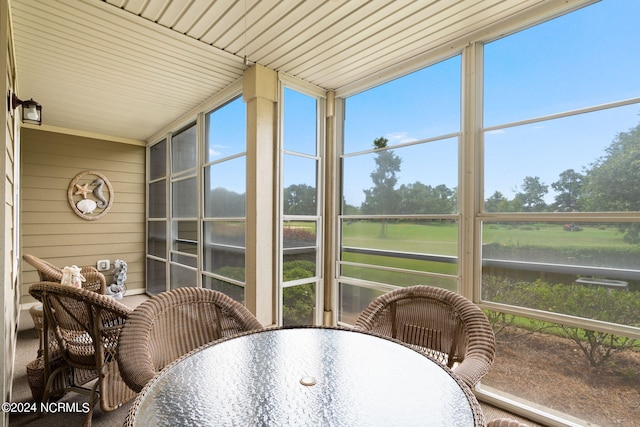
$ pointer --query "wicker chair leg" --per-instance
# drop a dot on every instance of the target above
(94, 398)
(52, 377)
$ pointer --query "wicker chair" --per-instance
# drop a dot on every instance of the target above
(505, 422)
(444, 324)
(85, 326)
(95, 281)
(171, 324)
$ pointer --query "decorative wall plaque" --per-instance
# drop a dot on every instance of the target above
(90, 195)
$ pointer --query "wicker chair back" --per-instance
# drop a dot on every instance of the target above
(83, 328)
(173, 323)
(441, 323)
(95, 281)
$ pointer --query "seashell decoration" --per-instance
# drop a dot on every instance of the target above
(90, 195)
(86, 206)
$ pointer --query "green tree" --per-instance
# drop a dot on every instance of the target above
(532, 194)
(382, 198)
(612, 181)
(418, 198)
(299, 199)
(224, 203)
(569, 189)
(497, 203)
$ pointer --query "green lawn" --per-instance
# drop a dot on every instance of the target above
(405, 236)
(551, 235)
(442, 238)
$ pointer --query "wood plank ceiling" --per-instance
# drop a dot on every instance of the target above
(128, 68)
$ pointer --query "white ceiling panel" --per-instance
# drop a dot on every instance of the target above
(129, 68)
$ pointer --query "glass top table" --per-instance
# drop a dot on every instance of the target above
(309, 376)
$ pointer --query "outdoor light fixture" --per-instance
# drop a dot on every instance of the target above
(31, 110)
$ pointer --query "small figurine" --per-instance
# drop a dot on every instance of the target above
(71, 276)
(116, 290)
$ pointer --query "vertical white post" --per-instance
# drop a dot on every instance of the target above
(260, 94)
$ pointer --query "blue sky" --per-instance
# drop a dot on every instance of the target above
(587, 58)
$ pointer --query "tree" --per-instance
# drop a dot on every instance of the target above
(569, 188)
(299, 199)
(497, 203)
(532, 194)
(224, 203)
(612, 181)
(382, 198)
(418, 198)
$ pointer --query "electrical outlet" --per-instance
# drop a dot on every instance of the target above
(103, 264)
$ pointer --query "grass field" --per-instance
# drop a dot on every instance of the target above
(552, 235)
(421, 237)
(441, 238)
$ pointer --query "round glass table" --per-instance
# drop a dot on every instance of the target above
(309, 376)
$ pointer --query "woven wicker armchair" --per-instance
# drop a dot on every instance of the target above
(85, 326)
(94, 280)
(171, 324)
(444, 324)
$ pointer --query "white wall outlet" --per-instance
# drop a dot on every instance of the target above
(103, 264)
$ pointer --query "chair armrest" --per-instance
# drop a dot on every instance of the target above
(94, 280)
(135, 358)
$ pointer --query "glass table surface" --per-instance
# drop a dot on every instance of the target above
(305, 377)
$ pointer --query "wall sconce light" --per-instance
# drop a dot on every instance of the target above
(31, 110)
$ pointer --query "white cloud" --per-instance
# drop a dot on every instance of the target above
(399, 138)
(213, 152)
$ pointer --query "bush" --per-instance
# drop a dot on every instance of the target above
(298, 301)
(592, 302)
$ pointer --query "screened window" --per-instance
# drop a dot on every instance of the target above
(184, 154)
(157, 190)
(183, 252)
(300, 227)
(561, 222)
(575, 164)
(399, 211)
(224, 194)
(196, 204)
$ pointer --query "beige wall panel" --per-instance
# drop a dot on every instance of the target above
(45, 166)
(82, 239)
(59, 175)
(8, 193)
(65, 217)
(9, 166)
(85, 254)
(9, 295)
(67, 229)
(51, 229)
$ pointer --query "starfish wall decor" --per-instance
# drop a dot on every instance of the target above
(95, 195)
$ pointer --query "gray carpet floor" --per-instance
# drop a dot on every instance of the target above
(26, 351)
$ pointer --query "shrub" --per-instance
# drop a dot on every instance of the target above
(298, 236)
(298, 301)
(593, 302)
